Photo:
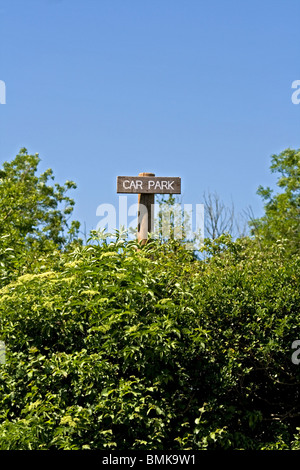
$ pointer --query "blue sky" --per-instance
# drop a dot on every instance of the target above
(190, 88)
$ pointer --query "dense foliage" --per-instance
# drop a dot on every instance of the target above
(282, 210)
(33, 215)
(115, 346)
(152, 349)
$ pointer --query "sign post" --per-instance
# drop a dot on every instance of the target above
(145, 213)
(146, 185)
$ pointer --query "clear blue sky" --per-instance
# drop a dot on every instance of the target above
(191, 88)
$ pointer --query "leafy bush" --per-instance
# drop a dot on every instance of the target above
(116, 347)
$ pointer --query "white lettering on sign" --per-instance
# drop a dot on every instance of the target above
(138, 184)
(160, 184)
(150, 185)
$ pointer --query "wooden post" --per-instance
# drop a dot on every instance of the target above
(146, 185)
(145, 213)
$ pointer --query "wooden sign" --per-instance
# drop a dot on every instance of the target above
(148, 185)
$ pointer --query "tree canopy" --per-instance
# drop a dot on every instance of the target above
(33, 214)
(282, 210)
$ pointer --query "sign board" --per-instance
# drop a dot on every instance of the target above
(148, 185)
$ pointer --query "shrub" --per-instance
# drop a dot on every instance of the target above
(119, 348)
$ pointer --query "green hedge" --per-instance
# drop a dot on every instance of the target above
(118, 348)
